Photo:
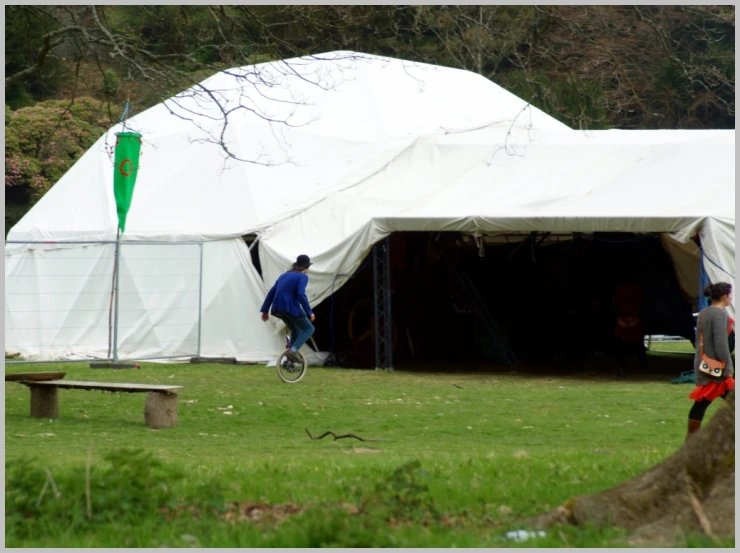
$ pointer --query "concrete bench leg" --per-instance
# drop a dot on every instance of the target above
(44, 402)
(160, 410)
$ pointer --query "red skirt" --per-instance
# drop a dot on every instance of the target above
(713, 390)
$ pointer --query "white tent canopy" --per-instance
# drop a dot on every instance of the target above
(599, 181)
(312, 126)
(355, 147)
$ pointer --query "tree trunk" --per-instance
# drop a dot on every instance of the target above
(692, 491)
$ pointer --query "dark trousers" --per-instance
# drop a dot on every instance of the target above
(300, 328)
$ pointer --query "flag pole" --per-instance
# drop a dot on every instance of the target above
(116, 273)
(125, 166)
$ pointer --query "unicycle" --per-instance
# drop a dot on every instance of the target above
(288, 370)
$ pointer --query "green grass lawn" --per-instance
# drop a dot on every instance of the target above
(684, 347)
(492, 450)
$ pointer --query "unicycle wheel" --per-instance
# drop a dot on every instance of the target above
(291, 371)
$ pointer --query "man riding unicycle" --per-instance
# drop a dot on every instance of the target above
(287, 300)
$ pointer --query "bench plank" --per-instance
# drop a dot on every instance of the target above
(34, 376)
(105, 386)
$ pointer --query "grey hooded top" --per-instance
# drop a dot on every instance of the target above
(714, 322)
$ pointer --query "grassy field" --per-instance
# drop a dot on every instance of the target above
(461, 458)
(683, 347)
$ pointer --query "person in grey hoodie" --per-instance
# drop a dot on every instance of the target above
(712, 330)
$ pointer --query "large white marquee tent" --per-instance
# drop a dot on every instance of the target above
(326, 156)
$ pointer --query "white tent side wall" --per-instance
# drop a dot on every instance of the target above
(233, 293)
(717, 237)
(159, 300)
(60, 302)
(57, 300)
(685, 257)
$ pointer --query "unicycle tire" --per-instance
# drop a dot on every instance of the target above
(291, 371)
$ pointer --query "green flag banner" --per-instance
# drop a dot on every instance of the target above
(128, 146)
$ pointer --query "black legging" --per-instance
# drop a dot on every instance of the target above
(699, 409)
(291, 329)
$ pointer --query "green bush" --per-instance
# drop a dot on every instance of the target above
(402, 495)
(400, 499)
(111, 83)
(42, 142)
(330, 527)
(132, 486)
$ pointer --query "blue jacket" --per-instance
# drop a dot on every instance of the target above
(288, 295)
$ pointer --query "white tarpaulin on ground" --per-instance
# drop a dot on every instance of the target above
(342, 150)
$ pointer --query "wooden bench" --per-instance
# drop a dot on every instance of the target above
(34, 376)
(160, 408)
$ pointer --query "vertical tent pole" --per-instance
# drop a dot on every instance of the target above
(388, 318)
(376, 310)
(200, 299)
(382, 303)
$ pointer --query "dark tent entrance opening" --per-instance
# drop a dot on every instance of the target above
(515, 300)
